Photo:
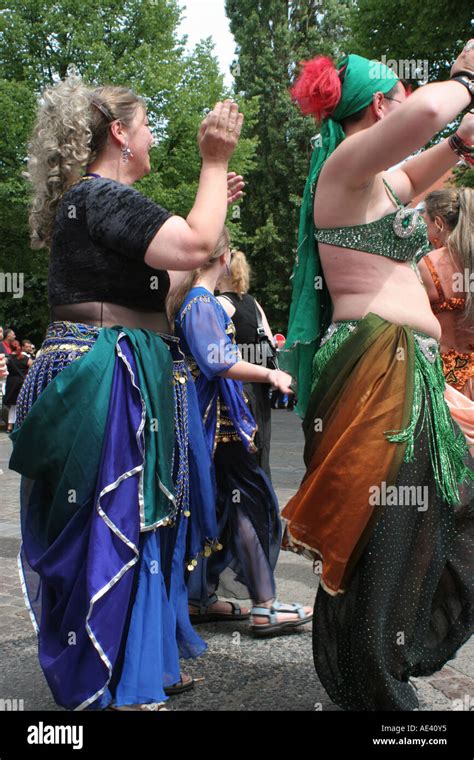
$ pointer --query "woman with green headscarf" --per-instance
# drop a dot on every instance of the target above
(385, 502)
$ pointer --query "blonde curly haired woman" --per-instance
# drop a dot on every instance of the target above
(108, 521)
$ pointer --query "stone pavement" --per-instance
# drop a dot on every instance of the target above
(238, 672)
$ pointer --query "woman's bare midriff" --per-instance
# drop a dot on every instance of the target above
(361, 283)
(110, 314)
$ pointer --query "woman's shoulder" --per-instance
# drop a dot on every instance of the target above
(200, 295)
(92, 187)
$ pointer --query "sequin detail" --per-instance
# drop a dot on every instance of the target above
(443, 304)
(447, 444)
(400, 235)
(65, 342)
(458, 368)
(188, 307)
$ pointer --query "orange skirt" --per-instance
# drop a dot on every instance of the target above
(364, 392)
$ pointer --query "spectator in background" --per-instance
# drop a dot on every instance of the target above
(8, 341)
(246, 314)
(18, 365)
(28, 348)
(447, 273)
(3, 350)
(3, 374)
(281, 400)
(3, 365)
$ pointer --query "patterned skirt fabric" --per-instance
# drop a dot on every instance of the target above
(64, 343)
(108, 525)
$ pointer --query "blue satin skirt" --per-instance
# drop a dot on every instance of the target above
(107, 596)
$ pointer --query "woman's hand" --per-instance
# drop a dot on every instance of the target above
(466, 129)
(219, 132)
(280, 380)
(465, 60)
(235, 186)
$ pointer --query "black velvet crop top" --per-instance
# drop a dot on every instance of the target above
(101, 233)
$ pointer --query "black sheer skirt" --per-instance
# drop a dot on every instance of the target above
(409, 604)
(249, 530)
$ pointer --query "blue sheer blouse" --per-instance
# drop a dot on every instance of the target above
(207, 336)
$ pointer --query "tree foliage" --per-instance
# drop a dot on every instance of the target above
(272, 37)
(133, 43)
(408, 30)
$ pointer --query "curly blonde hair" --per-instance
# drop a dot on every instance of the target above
(71, 130)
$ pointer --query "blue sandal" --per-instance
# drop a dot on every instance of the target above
(272, 614)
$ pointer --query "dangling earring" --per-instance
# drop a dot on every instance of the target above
(126, 154)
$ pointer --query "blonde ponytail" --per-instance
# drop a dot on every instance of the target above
(176, 298)
(460, 243)
(455, 206)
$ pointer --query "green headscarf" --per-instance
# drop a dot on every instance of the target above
(311, 307)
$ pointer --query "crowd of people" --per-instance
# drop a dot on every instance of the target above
(15, 359)
(156, 484)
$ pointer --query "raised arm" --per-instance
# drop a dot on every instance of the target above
(182, 244)
(407, 129)
(420, 172)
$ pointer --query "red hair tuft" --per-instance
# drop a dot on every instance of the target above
(318, 88)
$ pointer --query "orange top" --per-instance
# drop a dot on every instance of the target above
(458, 367)
(443, 303)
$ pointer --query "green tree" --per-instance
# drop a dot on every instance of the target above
(272, 36)
(463, 176)
(17, 107)
(135, 43)
(416, 35)
(406, 30)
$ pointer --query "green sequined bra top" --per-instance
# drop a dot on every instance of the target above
(400, 235)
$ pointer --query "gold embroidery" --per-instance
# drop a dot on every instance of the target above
(64, 347)
(205, 299)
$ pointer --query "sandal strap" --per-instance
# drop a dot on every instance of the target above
(203, 608)
(236, 609)
(295, 607)
(279, 607)
(265, 612)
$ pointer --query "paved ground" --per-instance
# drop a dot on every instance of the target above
(238, 672)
